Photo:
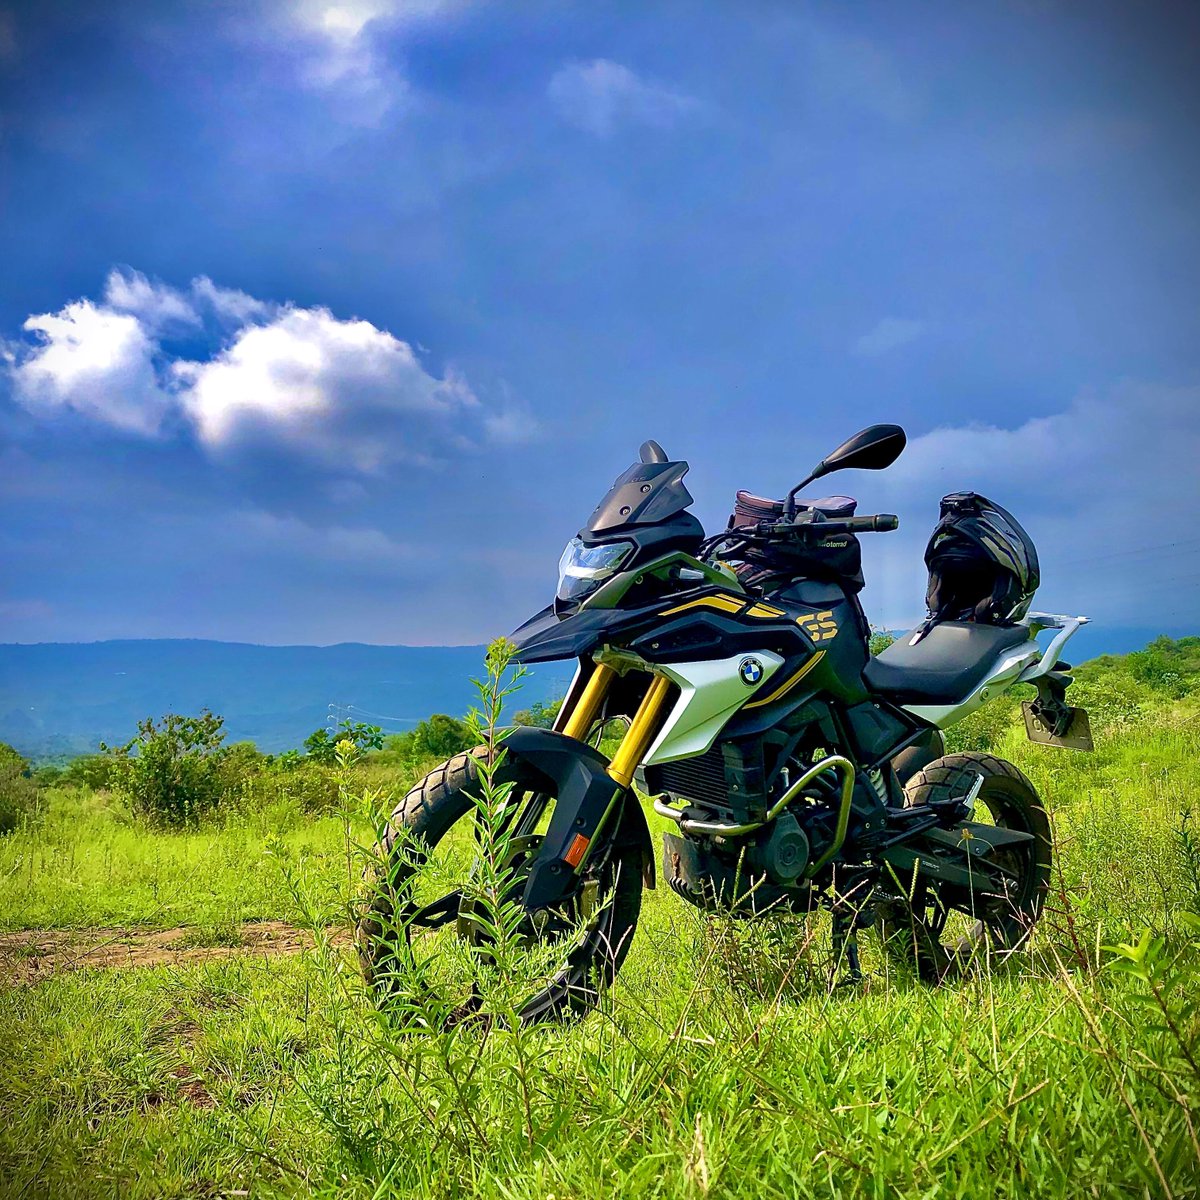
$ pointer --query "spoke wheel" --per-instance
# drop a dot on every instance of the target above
(941, 931)
(445, 937)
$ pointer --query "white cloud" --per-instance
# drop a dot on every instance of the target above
(339, 391)
(600, 95)
(285, 536)
(155, 305)
(342, 393)
(1111, 480)
(889, 334)
(93, 360)
(344, 58)
(231, 305)
(158, 306)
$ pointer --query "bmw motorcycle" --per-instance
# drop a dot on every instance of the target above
(792, 769)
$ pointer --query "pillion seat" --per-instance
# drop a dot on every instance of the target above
(945, 666)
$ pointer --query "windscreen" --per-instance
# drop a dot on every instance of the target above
(643, 495)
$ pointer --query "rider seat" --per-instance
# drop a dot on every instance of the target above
(945, 666)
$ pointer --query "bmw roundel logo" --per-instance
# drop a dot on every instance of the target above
(751, 671)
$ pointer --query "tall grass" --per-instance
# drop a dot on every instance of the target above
(722, 1063)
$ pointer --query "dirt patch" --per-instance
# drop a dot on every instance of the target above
(32, 954)
(191, 1088)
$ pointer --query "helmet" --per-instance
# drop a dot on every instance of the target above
(982, 565)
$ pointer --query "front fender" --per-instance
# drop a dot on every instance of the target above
(586, 799)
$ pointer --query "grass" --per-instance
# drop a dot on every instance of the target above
(721, 1065)
(88, 863)
(687, 1085)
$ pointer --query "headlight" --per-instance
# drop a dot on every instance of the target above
(583, 568)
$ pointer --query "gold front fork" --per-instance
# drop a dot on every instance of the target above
(645, 724)
(578, 722)
(642, 729)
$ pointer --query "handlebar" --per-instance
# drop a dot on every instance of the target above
(768, 532)
(882, 523)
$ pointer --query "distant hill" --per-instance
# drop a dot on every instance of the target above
(60, 698)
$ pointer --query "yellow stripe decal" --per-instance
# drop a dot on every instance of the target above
(791, 683)
(728, 604)
(765, 610)
(722, 603)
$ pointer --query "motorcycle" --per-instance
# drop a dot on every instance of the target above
(794, 769)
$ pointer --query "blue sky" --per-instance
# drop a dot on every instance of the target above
(330, 320)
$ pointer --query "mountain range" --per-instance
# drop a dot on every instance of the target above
(63, 698)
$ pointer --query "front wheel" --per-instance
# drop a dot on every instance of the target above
(445, 933)
(940, 932)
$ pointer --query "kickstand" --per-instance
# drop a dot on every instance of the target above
(845, 947)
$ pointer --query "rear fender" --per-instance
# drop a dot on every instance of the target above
(586, 799)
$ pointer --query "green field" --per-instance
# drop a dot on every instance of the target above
(723, 1063)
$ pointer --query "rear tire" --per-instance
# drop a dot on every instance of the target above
(914, 931)
(426, 815)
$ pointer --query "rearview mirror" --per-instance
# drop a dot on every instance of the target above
(870, 449)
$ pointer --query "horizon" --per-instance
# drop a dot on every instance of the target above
(361, 313)
(1117, 641)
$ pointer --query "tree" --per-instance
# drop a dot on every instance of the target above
(321, 745)
(18, 792)
(441, 736)
(173, 771)
(95, 771)
(438, 736)
(540, 714)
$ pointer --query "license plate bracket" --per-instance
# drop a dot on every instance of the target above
(1078, 735)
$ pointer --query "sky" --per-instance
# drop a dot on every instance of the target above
(330, 320)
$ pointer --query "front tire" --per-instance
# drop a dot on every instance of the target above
(602, 909)
(940, 939)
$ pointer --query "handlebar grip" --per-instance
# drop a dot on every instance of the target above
(883, 523)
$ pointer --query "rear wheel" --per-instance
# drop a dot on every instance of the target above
(445, 934)
(940, 931)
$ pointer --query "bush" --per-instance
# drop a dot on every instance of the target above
(881, 639)
(437, 737)
(539, 714)
(322, 744)
(99, 772)
(48, 775)
(1167, 665)
(18, 792)
(302, 783)
(175, 770)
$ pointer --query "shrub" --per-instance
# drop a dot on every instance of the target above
(322, 744)
(175, 770)
(1167, 665)
(303, 783)
(437, 738)
(441, 736)
(18, 792)
(539, 714)
(99, 772)
(881, 639)
(985, 728)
